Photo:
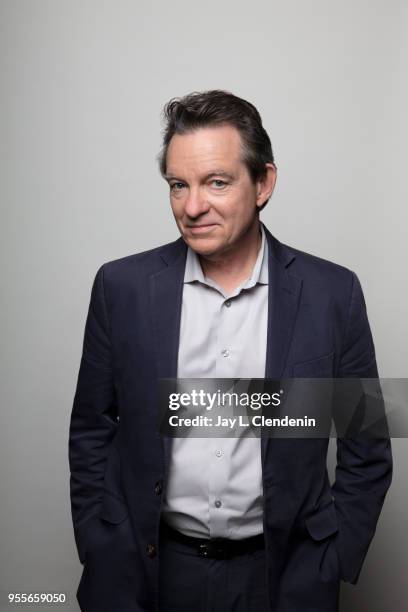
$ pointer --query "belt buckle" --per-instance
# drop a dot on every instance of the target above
(213, 550)
(203, 550)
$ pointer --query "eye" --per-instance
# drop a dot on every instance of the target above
(176, 186)
(218, 183)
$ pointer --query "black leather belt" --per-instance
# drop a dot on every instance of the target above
(215, 548)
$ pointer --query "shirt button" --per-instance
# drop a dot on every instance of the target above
(151, 550)
(218, 452)
(228, 303)
(217, 503)
(225, 353)
(158, 487)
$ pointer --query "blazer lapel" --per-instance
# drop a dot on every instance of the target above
(166, 292)
(283, 302)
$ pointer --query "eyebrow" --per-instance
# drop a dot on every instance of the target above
(222, 173)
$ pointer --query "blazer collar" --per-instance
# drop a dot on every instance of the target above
(166, 291)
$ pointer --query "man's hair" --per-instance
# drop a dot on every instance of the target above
(214, 108)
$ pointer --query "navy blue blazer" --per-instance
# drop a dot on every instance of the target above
(315, 533)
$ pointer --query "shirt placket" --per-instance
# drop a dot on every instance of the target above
(221, 448)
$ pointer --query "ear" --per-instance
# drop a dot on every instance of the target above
(266, 184)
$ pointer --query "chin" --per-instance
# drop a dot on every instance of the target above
(203, 246)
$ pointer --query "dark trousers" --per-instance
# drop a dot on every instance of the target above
(188, 582)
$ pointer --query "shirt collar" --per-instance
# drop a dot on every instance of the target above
(194, 272)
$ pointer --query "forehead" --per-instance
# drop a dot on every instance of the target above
(203, 148)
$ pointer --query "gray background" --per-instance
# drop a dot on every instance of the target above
(82, 87)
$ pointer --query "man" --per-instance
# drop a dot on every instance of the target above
(243, 524)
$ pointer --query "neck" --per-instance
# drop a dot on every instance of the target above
(232, 267)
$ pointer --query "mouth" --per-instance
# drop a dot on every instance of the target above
(201, 229)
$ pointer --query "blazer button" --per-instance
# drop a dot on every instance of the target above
(151, 550)
(158, 487)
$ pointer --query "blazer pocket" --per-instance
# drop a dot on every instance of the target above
(113, 509)
(322, 523)
(98, 534)
(320, 367)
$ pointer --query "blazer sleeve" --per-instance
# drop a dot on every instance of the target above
(94, 416)
(364, 465)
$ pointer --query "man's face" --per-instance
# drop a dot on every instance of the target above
(213, 199)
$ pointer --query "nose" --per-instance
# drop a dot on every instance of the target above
(195, 204)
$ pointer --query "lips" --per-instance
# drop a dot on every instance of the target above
(201, 229)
